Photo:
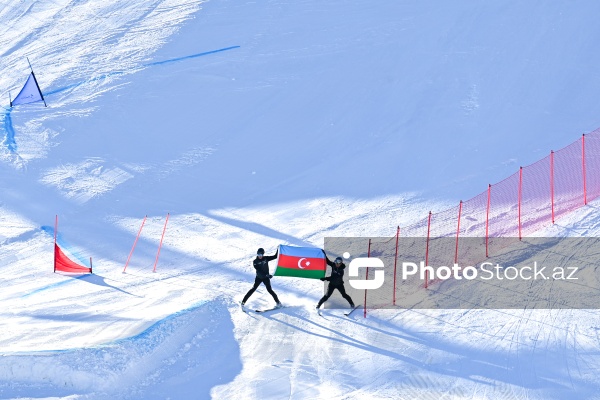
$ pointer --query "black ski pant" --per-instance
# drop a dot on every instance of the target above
(257, 282)
(330, 290)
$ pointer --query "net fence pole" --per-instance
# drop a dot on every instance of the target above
(367, 278)
(583, 169)
(552, 184)
(427, 249)
(457, 232)
(487, 220)
(519, 200)
(395, 264)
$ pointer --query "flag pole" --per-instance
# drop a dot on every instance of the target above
(36, 83)
(55, 230)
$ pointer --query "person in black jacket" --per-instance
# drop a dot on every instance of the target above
(336, 281)
(261, 265)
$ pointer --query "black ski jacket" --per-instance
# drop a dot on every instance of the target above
(337, 273)
(262, 265)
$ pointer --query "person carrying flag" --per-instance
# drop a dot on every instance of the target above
(336, 281)
(261, 265)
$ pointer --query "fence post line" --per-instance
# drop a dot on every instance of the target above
(552, 184)
(427, 249)
(520, 195)
(487, 220)
(395, 264)
(457, 232)
(583, 169)
(367, 278)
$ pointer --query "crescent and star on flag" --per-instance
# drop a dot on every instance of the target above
(300, 263)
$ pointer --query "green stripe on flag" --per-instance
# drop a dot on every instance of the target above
(299, 273)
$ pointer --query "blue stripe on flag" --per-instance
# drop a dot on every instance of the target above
(294, 251)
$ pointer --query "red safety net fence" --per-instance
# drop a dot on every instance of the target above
(532, 198)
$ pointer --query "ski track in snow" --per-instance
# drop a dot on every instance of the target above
(85, 180)
(103, 44)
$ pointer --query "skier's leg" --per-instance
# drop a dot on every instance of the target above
(345, 295)
(327, 295)
(267, 283)
(256, 284)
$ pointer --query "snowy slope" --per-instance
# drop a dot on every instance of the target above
(260, 123)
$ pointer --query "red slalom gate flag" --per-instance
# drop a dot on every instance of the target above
(301, 262)
(63, 263)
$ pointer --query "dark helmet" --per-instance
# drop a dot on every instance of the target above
(338, 260)
(260, 251)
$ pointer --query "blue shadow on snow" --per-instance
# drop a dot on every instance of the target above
(9, 140)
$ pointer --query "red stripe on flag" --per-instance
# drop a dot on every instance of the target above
(301, 263)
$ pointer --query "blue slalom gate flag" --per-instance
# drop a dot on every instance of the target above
(30, 93)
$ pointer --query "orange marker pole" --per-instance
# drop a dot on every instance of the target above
(135, 242)
(161, 241)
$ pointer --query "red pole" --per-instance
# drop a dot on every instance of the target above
(161, 241)
(134, 242)
(427, 249)
(55, 230)
(457, 232)
(583, 167)
(520, 194)
(552, 183)
(487, 220)
(367, 277)
(395, 264)
(91, 265)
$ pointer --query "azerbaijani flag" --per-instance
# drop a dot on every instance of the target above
(301, 262)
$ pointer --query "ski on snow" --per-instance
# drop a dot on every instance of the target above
(269, 309)
(246, 310)
(347, 314)
(351, 311)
